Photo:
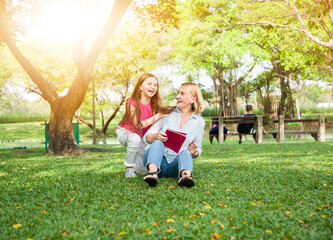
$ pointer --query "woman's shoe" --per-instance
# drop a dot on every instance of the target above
(186, 181)
(152, 181)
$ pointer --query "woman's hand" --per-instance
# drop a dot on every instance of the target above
(161, 136)
(157, 136)
(193, 148)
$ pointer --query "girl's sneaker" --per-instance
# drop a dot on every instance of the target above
(130, 173)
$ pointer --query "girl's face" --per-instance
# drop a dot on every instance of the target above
(184, 99)
(149, 87)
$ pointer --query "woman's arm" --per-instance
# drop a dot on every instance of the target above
(195, 147)
(151, 134)
(156, 136)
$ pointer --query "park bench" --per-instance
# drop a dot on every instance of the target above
(318, 135)
(75, 126)
(259, 121)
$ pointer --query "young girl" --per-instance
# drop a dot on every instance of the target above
(142, 110)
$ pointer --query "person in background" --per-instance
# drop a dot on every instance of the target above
(164, 162)
(142, 110)
(215, 131)
(246, 127)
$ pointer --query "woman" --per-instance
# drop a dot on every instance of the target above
(164, 162)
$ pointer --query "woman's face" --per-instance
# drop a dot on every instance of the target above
(149, 87)
(184, 99)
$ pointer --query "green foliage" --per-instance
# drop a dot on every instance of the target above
(14, 109)
(19, 118)
(316, 110)
(280, 191)
(161, 14)
(5, 71)
(209, 111)
(316, 94)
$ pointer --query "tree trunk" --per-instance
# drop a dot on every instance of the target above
(109, 121)
(61, 137)
(282, 105)
(267, 101)
(222, 99)
(216, 97)
(286, 104)
(290, 101)
(102, 117)
(331, 98)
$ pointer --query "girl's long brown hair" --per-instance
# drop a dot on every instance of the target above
(156, 103)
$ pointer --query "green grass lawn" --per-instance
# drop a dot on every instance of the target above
(35, 130)
(248, 191)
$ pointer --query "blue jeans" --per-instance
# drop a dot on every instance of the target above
(155, 154)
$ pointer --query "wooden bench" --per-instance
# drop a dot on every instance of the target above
(259, 121)
(318, 135)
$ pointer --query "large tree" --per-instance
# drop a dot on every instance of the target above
(229, 59)
(63, 108)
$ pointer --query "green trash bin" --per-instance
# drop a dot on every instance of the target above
(76, 132)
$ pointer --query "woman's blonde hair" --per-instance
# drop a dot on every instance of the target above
(192, 88)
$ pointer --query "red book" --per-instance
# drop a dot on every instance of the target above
(175, 140)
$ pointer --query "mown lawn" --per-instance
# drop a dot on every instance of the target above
(36, 130)
(248, 191)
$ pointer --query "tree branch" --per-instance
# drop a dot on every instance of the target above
(322, 22)
(87, 123)
(86, 63)
(328, 44)
(245, 75)
(48, 93)
(30, 90)
(123, 98)
(329, 10)
(117, 12)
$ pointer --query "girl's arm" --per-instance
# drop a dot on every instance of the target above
(146, 122)
(153, 119)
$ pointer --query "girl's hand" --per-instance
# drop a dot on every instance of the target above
(161, 136)
(193, 148)
(162, 115)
